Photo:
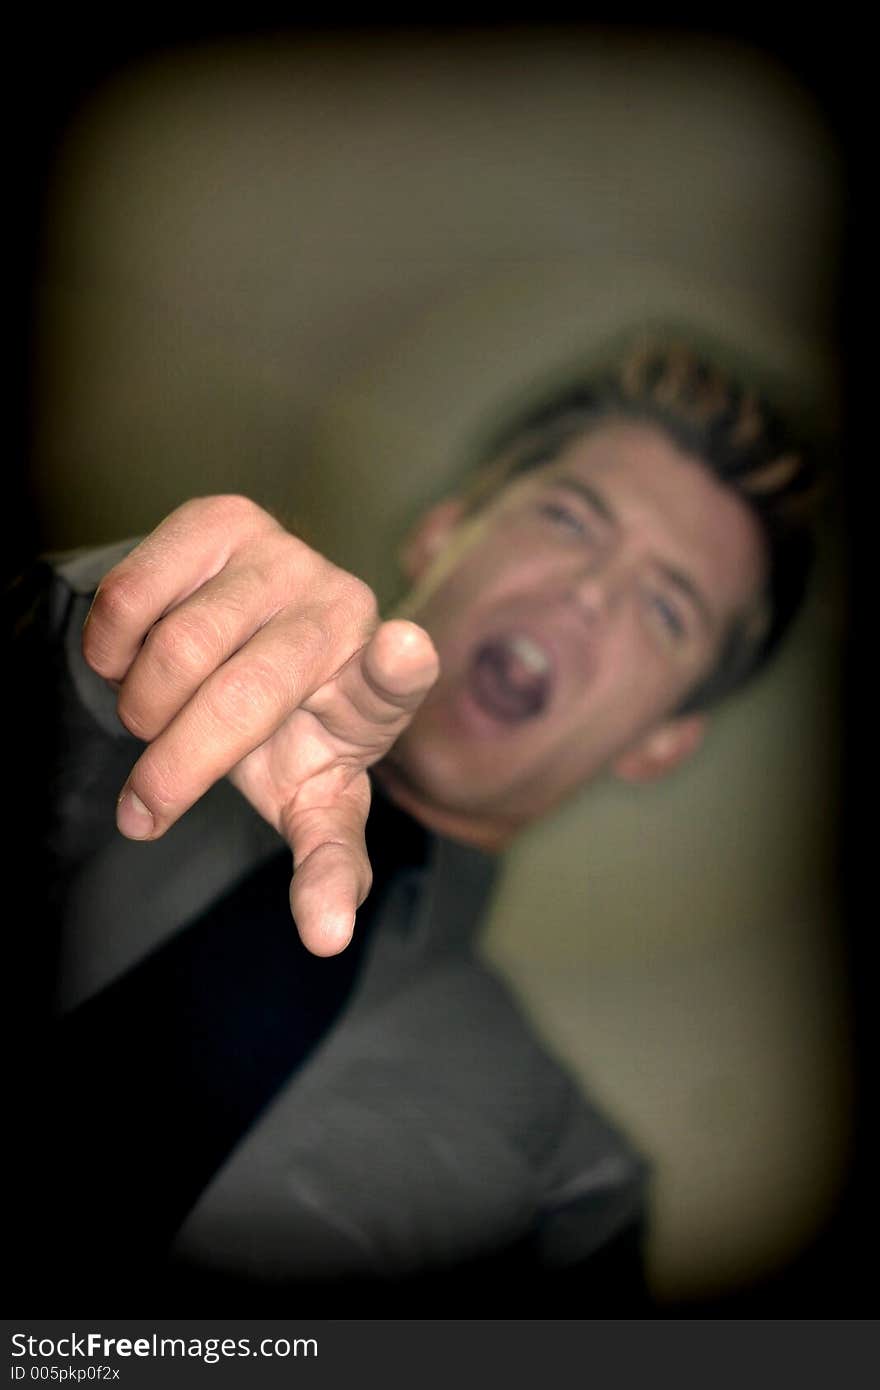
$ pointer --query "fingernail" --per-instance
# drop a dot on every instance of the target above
(133, 818)
(340, 934)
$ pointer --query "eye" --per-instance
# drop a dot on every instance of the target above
(668, 615)
(565, 518)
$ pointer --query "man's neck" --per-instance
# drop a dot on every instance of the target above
(489, 836)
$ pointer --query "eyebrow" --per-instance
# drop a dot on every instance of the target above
(594, 499)
(678, 578)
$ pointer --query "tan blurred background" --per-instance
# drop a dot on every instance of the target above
(318, 271)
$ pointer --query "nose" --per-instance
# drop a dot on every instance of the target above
(599, 585)
(590, 595)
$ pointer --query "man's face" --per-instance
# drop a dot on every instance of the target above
(572, 615)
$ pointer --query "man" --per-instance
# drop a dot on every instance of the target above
(635, 551)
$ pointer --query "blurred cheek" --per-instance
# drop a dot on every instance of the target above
(457, 602)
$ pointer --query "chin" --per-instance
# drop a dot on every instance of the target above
(441, 772)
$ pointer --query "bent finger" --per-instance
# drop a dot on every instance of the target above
(186, 550)
(185, 647)
(237, 709)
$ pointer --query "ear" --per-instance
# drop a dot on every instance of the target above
(662, 750)
(428, 537)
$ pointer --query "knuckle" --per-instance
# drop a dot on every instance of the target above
(311, 635)
(117, 599)
(230, 517)
(234, 510)
(361, 600)
(185, 646)
(246, 698)
(309, 583)
(113, 614)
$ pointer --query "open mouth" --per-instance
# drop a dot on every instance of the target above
(511, 678)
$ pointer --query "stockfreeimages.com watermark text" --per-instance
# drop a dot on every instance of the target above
(94, 1346)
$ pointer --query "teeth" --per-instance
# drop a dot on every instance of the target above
(529, 653)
